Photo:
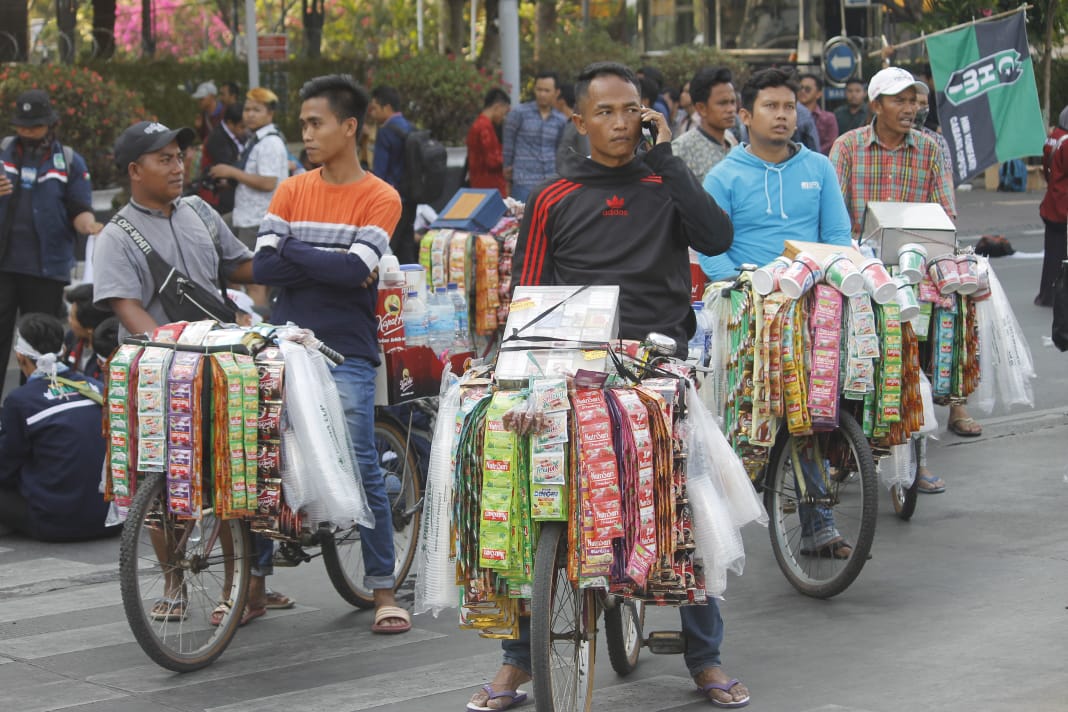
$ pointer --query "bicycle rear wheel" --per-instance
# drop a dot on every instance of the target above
(563, 630)
(624, 624)
(795, 502)
(174, 573)
(343, 553)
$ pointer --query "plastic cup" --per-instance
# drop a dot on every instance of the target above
(944, 274)
(800, 276)
(766, 279)
(983, 292)
(840, 272)
(906, 300)
(415, 279)
(911, 262)
(878, 282)
(968, 271)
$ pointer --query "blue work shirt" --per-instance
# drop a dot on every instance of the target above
(530, 143)
(59, 193)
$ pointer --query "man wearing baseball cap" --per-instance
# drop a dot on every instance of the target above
(45, 201)
(889, 160)
(211, 109)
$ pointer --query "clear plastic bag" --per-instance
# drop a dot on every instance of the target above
(899, 467)
(319, 472)
(1004, 357)
(930, 420)
(435, 570)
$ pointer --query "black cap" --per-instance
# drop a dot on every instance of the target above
(146, 137)
(34, 108)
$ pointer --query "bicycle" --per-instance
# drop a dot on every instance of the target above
(174, 572)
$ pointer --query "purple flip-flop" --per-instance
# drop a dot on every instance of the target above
(724, 687)
(516, 697)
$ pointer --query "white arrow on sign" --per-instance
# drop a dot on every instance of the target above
(841, 61)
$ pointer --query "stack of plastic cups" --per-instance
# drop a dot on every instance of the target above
(911, 262)
(944, 274)
(906, 300)
(878, 282)
(800, 276)
(968, 271)
(840, 272)
(766, 279)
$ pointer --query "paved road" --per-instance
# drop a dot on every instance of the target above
(962, 609)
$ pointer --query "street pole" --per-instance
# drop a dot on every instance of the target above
(419, 8)
(251, 44)
(508, 13)
(474, 30)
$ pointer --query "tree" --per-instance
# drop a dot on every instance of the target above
(313, 13)
(104, 28)
(15, 36)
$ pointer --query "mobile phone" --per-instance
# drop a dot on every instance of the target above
(649, 132)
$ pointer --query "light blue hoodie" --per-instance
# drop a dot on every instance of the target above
(769, 203)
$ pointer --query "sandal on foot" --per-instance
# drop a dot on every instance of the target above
(970, 429)
(168, 609)
(278, 601)
(386, 613)
(930, 484)
(252, 614)
(515, 697)
(219, 613)
(727, 686)
(837, 549)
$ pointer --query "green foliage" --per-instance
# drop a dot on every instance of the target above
(92, 111)
(442, 94)
(681, 63)
(1058, 92)
(568, 52)
(946, 13)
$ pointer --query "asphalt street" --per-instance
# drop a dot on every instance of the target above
(963, 609)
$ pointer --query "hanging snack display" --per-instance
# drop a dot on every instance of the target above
(195, 405)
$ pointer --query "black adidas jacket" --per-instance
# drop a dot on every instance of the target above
(629, 226)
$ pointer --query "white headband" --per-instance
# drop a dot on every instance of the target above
(46, 363)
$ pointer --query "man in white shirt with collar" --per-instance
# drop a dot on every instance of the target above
(263, 165)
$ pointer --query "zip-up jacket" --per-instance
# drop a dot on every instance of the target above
(60, 193)
(630, 226)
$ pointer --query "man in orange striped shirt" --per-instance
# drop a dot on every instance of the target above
(320, 242)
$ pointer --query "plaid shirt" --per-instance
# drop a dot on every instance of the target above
(869, 171)
(530, 143)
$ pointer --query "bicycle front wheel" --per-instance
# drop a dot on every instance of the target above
(840, 491)
(563, 630)
(623, 632)
(174, 574)
(904, 498)
(343, 554)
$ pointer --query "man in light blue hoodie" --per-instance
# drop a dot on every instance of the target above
(772, 188)
(775, 190)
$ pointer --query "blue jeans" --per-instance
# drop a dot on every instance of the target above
(264, 548)
(355, 381)
(817, 523)
(701, 625)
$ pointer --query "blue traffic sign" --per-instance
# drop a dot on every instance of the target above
(840, 61)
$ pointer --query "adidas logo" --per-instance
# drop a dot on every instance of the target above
(615, 207)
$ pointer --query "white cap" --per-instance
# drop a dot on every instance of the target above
(892, 81)
(205, 89)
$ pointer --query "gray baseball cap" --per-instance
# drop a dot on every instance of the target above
(146, 137)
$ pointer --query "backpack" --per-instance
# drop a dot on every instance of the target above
(1012, 176)
(68, 152)
(247, 150)
(425, 164)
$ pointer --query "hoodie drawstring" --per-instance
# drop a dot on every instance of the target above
(767, 194)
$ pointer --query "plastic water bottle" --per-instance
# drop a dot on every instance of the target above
(415, 321)
(462, 341)
(442, 325)
(704, 321)
(696, 348)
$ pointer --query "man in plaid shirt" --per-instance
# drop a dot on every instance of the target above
(888, 160)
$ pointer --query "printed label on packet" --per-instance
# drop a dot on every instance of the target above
(548, 468)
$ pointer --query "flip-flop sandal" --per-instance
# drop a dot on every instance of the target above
(386, 613)
(831, 550)
(168, 609)
(252, 614)
(724, 687)
(515, 697)
(955, 428)
(930, 484)
(278, 601)
(219, 613)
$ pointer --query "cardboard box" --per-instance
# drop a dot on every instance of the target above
(473, 210)
(412, 373)
(821, 250)
(888, 226)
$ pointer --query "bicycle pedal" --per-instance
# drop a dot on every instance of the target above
(666, 642)
(289, 555)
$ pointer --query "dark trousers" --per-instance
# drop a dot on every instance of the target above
(403, 241)
(22, 294)
(14, 512)
(1056, 252)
